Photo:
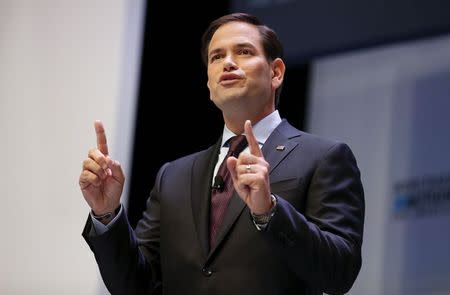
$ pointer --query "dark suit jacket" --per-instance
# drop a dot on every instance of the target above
(311, 245)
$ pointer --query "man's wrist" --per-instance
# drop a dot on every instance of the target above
(106, 217)
(262, 220)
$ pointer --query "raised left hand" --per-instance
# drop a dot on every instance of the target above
(250, 175)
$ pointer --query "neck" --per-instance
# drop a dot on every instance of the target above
(235, 121)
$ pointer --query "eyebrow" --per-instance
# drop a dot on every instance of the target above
(245, 44)
(212, 52)
(239, 45)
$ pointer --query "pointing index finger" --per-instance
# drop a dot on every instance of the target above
(101, 137)
(251, 139)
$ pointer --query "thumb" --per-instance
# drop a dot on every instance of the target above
(116, 170)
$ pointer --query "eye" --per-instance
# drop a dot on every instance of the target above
(215, 57)
(244, 51)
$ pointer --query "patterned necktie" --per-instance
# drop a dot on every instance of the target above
(223, 188)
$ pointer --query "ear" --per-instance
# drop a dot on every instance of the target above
(278, 69)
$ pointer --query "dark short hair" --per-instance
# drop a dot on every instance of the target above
(270, 42)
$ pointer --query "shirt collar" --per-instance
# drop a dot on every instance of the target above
(261, 129)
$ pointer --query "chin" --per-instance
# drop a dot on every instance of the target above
(233, 94)
(227, 96)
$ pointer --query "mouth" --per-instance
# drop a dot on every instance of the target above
(229, 79)
(229, 82)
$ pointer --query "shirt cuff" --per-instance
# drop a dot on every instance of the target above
(99, 228)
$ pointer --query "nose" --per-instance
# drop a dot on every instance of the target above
(229, 64)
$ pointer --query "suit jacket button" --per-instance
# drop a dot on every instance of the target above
(206, 272)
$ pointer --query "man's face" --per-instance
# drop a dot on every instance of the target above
(238, 71)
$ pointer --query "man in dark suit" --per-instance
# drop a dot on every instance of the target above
(293, 224)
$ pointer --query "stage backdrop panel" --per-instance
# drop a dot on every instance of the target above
(391, 105)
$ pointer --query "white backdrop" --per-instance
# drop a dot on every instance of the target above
(391, 105)
(63, 64)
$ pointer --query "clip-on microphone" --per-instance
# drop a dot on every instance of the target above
(218, 183)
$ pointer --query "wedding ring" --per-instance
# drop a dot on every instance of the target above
(248, 168)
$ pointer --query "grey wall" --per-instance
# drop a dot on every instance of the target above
(63, 65)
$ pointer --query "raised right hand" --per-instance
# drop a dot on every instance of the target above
(101, 180)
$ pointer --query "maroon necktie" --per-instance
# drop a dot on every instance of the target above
(223, 188)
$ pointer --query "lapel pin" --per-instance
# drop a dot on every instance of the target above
(280, 148)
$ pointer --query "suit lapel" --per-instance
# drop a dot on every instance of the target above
(202, 171)
(280, 137)
(279, 144)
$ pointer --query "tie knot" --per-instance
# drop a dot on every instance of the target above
(237, 144)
